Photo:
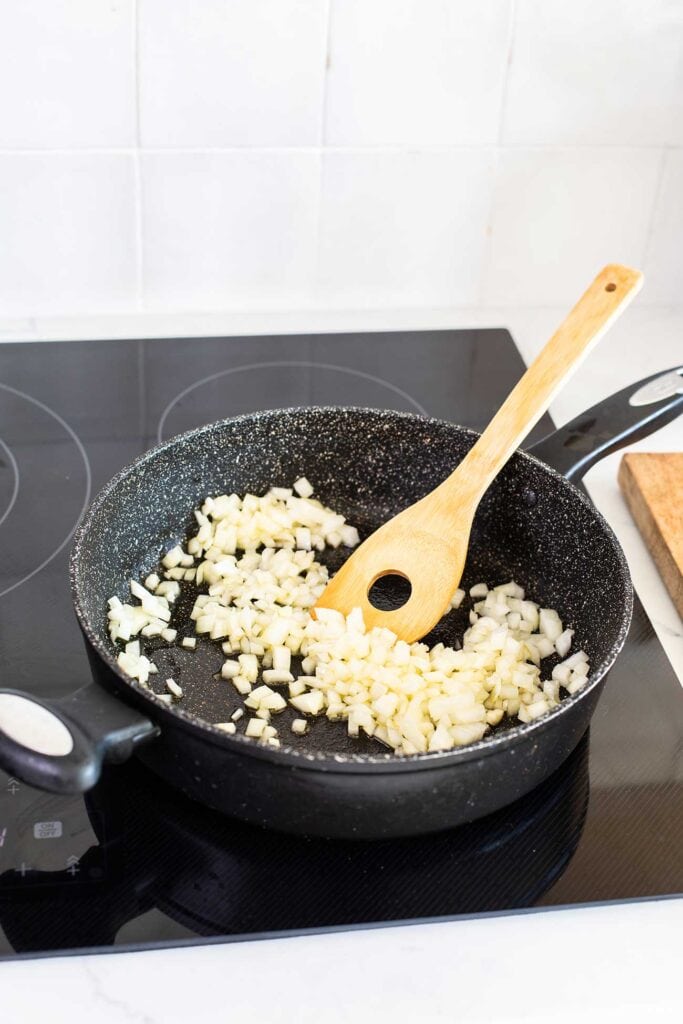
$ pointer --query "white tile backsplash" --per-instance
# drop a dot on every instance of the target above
(560, 214)
(596, 72)
(260, 154)
(67, 74)
(664, 258)
(232, 72)
(225, 230)
(68, 233)
(418, 71)
(403, 228)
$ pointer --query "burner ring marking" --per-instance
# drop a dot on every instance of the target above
(280, 364)
(15, 489)
(88, 481)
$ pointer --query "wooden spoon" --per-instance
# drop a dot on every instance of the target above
(427, 542)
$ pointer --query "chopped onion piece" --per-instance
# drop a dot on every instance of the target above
(282, 657)
(173, 557)
(349, 536)
(302, 538)
(550, 624)
(248, 667)
(272, 675)
(564, 642)
(255, 727)
(310, 703)
(173, 688)
(228, 727)
(168, 589)
(303, 488)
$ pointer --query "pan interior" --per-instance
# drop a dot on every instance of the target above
(531, 527)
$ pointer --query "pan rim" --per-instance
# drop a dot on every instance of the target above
(324, 761)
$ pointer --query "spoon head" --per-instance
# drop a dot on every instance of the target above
(432, 565)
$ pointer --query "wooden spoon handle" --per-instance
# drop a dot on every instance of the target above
(596, 310)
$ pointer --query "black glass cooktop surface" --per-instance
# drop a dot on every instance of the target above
(135, 864)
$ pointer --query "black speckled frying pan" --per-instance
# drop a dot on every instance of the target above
(533, 526)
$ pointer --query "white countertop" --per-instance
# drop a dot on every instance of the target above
(608, 964)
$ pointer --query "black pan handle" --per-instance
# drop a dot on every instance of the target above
(628, 416)
(60, 745)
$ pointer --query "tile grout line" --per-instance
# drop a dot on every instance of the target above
(137, 168)
(326, 68)
(315, 270)
(510, 49)
(658, 190)
(482, 290)
(50, 327)
(139, 275)
(398, 149)
(315, 277)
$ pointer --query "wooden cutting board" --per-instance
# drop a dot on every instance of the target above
(652, 484)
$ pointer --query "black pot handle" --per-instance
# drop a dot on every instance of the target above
(628, 416)
(60, 745)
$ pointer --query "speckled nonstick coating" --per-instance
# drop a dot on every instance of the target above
(532, 526)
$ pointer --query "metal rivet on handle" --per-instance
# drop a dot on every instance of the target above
(666, 386)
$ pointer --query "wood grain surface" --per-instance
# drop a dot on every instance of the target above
(652, 484)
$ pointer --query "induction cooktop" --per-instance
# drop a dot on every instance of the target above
(134, 864)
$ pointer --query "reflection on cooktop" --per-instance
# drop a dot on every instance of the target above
(137, 863)
(214, 876)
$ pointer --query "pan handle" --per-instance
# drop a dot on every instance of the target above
(60, 745)
(628, 416)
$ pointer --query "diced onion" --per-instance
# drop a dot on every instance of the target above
(228, 727)
(255, 727)
(173, 688)
(303, 488)
(271, 675)
(253, 561)
(173, 557)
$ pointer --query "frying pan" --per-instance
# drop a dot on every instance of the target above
(534, 525)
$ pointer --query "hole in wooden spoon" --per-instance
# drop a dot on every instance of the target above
(390, 592)
(611, 287)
